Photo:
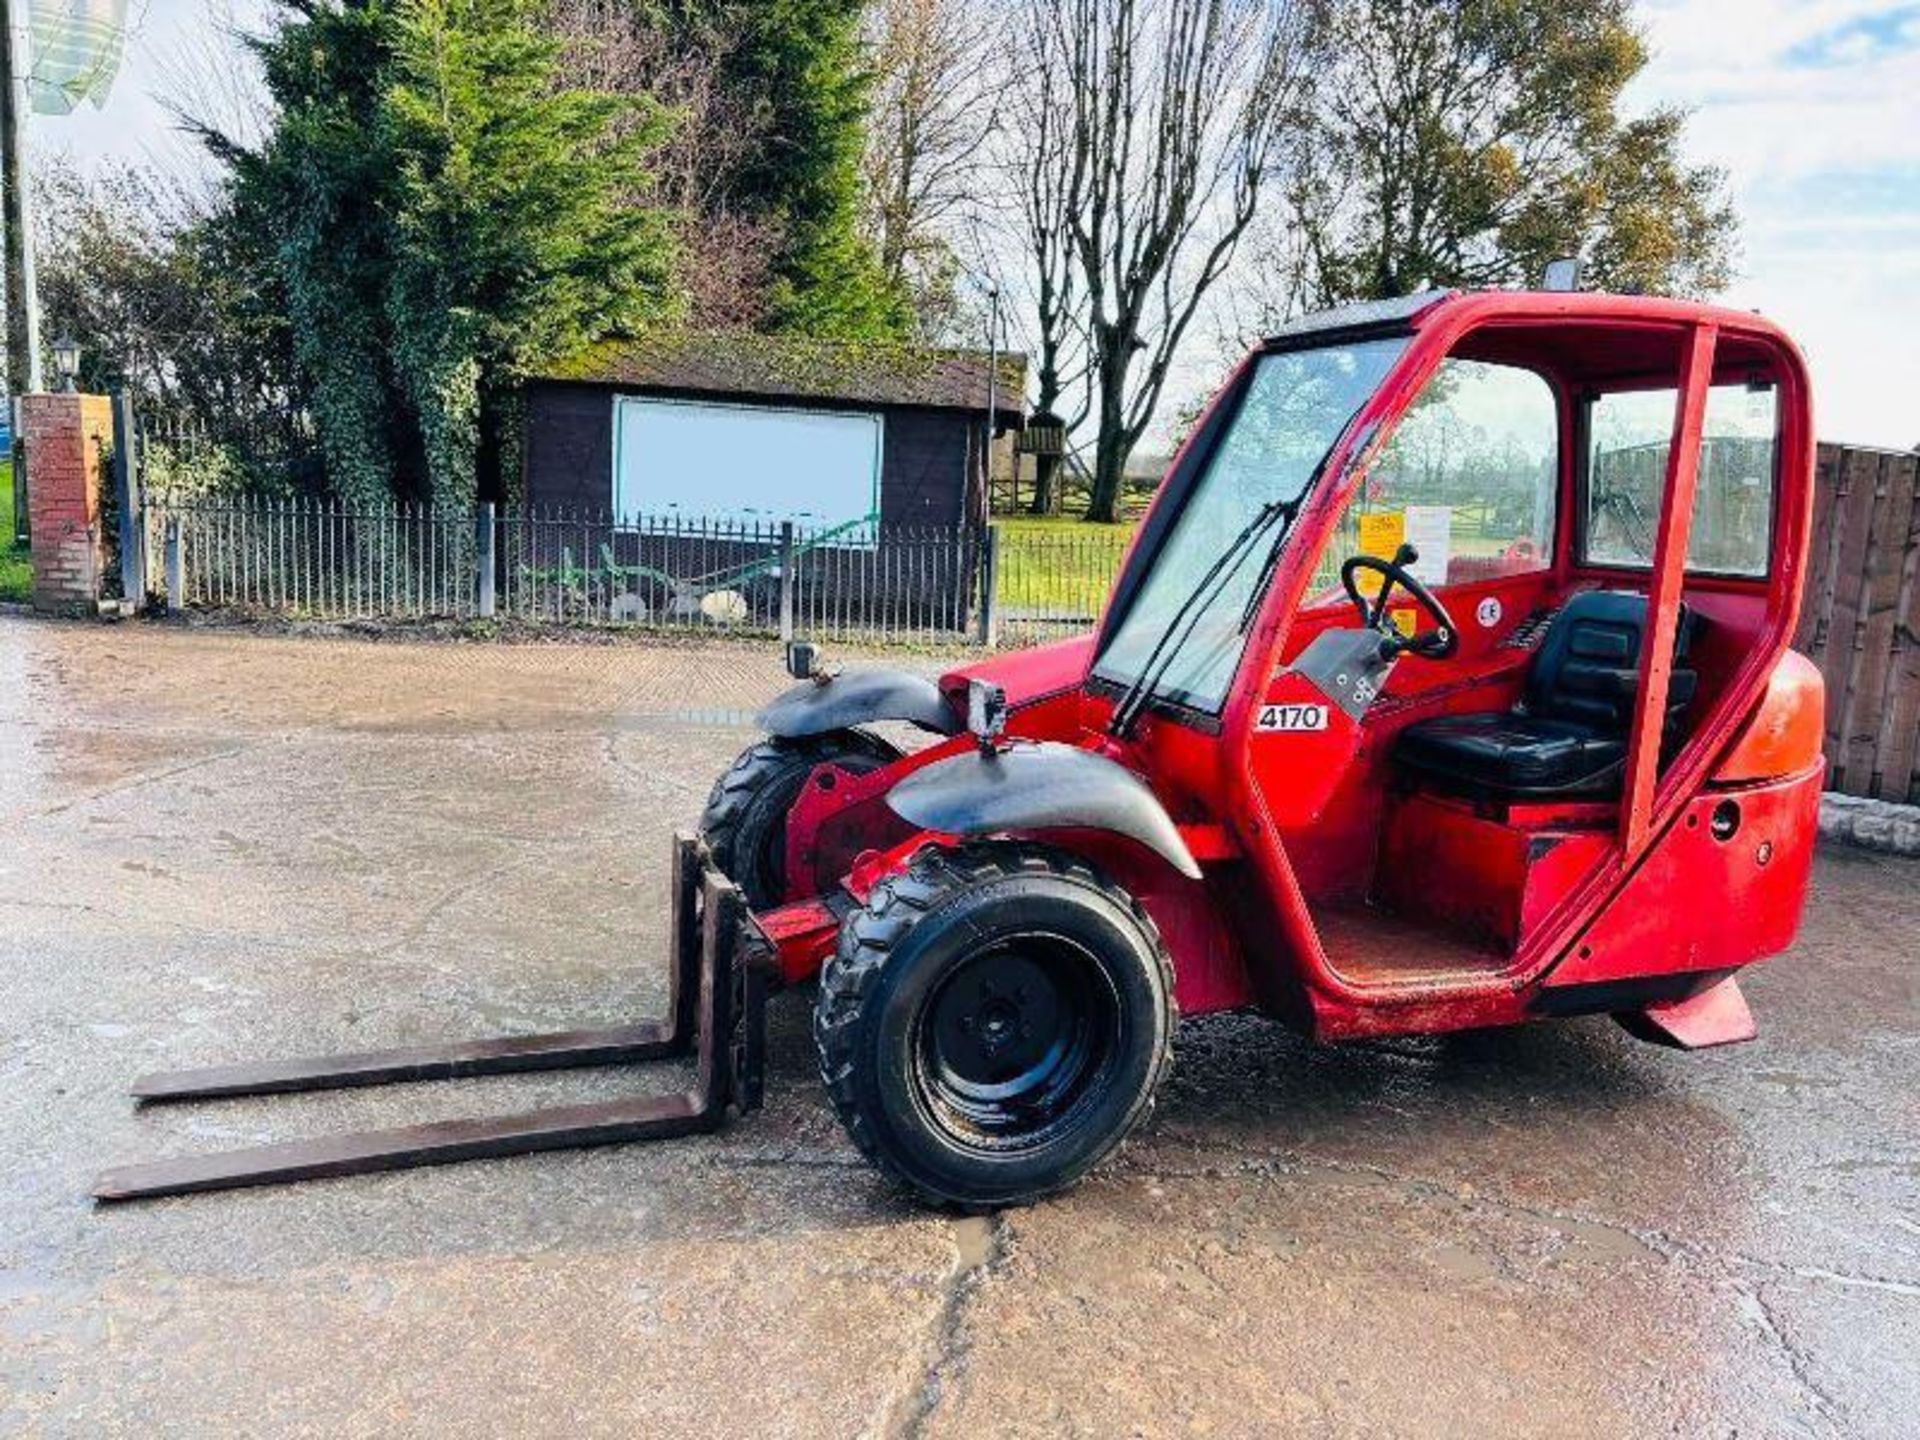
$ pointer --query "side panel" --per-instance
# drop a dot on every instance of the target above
(1026, 675)
(1723, 887)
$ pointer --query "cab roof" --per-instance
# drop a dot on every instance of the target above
(1583, 337)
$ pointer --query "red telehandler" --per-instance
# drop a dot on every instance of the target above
(1446, 684)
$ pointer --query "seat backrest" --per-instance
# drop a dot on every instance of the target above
(1589, 662)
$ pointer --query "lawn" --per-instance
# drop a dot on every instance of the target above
(16, 572)
(1058, 566)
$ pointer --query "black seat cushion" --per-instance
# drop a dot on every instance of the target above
(1569, 735)
(1512, 754)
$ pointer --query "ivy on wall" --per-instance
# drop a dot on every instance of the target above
(444, 217)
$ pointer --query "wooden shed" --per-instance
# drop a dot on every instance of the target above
(757, 429)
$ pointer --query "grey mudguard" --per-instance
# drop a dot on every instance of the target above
(859, 697)
(1039, 786)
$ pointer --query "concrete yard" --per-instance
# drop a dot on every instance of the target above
(218, 845)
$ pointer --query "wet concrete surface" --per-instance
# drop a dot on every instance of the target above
(216, 846)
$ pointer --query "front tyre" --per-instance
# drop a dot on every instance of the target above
(994, 1022)
(745, 822)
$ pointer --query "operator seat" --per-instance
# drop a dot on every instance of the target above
(1568, 736)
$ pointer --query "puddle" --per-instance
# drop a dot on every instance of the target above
(973, 1240)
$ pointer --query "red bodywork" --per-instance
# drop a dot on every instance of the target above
(1347, 902)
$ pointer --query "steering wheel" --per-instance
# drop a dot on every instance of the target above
(1439, 643)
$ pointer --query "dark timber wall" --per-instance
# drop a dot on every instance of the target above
(927, 464)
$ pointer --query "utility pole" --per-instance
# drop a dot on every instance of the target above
(993, 389)
(23, 295)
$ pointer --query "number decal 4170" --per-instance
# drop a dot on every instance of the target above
(1291, 717)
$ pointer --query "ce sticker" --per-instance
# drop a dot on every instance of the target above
(1489, 613)
(1290, 718)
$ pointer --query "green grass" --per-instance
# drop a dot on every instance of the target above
(16, 571)
(1058, 564)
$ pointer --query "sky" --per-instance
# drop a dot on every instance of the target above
(1811, 106)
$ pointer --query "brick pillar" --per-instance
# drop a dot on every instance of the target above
(67, 440)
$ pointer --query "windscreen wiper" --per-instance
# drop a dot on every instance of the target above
(1209, 587)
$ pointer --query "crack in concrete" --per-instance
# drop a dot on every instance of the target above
(1838, 1277)
(981, 1244)
(1799, 1363)
(141, 779)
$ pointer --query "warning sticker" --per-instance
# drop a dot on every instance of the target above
(1291, 717)
(1381, 533)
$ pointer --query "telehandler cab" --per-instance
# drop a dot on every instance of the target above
(1446, 684)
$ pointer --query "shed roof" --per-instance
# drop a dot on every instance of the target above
(783, 367)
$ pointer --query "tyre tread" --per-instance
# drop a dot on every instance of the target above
(868, 935)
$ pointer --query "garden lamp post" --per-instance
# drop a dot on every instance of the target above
(66, 363)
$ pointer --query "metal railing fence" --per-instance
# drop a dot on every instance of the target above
(311, 558)
(862, 582)
(1052, 580)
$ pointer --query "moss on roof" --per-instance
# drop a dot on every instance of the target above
(735, 363)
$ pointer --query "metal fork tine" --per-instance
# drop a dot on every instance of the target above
(499, 1056)
(444, 1142)
(717, 995)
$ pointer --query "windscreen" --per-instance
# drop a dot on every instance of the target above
(1291, 411)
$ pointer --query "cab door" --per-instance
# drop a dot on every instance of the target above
(1469, 478)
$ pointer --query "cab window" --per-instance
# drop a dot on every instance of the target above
(1468, 478)
(1629, 435)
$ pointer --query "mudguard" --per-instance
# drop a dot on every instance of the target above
(1041, 785)
(859, 697)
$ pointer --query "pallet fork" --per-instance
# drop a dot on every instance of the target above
(717, 1013)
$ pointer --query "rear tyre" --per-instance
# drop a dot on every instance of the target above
(745, 822)
(994, 1022)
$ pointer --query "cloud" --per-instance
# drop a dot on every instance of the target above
(1861, 40)
(1813, 108)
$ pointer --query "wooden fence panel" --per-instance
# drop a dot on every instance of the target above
(1860, 617)
(1852, 524)
(1816, 600)
(1896, 773)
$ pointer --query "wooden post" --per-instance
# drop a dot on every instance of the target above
(1663, 593)
(484, 562)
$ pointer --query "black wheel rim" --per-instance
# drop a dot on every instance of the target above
(1017, 1042)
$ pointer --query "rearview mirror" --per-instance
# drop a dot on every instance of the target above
(803, 660)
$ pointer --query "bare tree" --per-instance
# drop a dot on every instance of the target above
(1046, 171)
(935, 100)
(1172, 116)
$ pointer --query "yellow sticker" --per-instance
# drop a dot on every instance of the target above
(1381, 532)
(1380, 535)
(1405, 621)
